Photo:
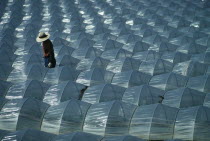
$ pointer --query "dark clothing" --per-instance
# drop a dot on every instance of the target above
(48, 52)
(47, 60)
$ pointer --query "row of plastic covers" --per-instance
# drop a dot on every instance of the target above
(152, 68)
(138, 95)
(96, 76)
(154, 121)
(31, 134)
(140, 52)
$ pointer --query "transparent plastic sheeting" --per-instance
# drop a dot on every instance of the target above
(146, 55)
(202, 57)
(114, 54)
(63, 91)
(66, 117)
(103, 93)
(36, 135)
(107, 44)
(28, 135)
(66, 60)
(109, 118)
(4, 86)
(153, 122)
(3, 133)
(94, 76)
(168, 81)
(7, 58)
(193, 124)
(190, 68)
(5, 71)
(78, 136)
(122, 138)
(124, 64)
(200, 83)
(183, 98)
(175, 57)
(207, 100)
(155, 67)
(130, 78)
(38, 72)
(21, 114)
(60, 74)
(30, 88)
(86, 64)
(142, 95)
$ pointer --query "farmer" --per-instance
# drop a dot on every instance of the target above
(48, 51)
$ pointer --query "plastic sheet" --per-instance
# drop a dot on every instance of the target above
(66, 60)
(22, 114)
(66, 117)
(142, 95)
(94, 76)
(123, 64)
(108, 44)
(78, 136)
(85, 52)
(183, 98)
(146, 55)
(175, 57)
(60, 42)
(83, 43)
(4, 86)
(60, 74)
(109, 118)
(115, 54)
(3, 133)
(138, 46)
(81, 30)
(168, 81)
(190, 68)
(62, 92)
(2, 102)
(30, 88)
(207, 100)
(200, 83)
(163, 46)
(155, 67)
(6, 57)
(78, 36)
(129, 38)
(32, 72)
(153, 122)
(203, 57)
(103, 93)
(5, 71)
(122, 138)
(191, 48)
(97, 62)
(193, 124)
(28, 135)
(130, 78)
(27, 60)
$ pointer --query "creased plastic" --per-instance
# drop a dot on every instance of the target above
(22, 114)
(155, 121)
(109, 118)
(183, 98)
(193, 124)
(66, 117)
(103, 93)
(142, 95)
(62, 92)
